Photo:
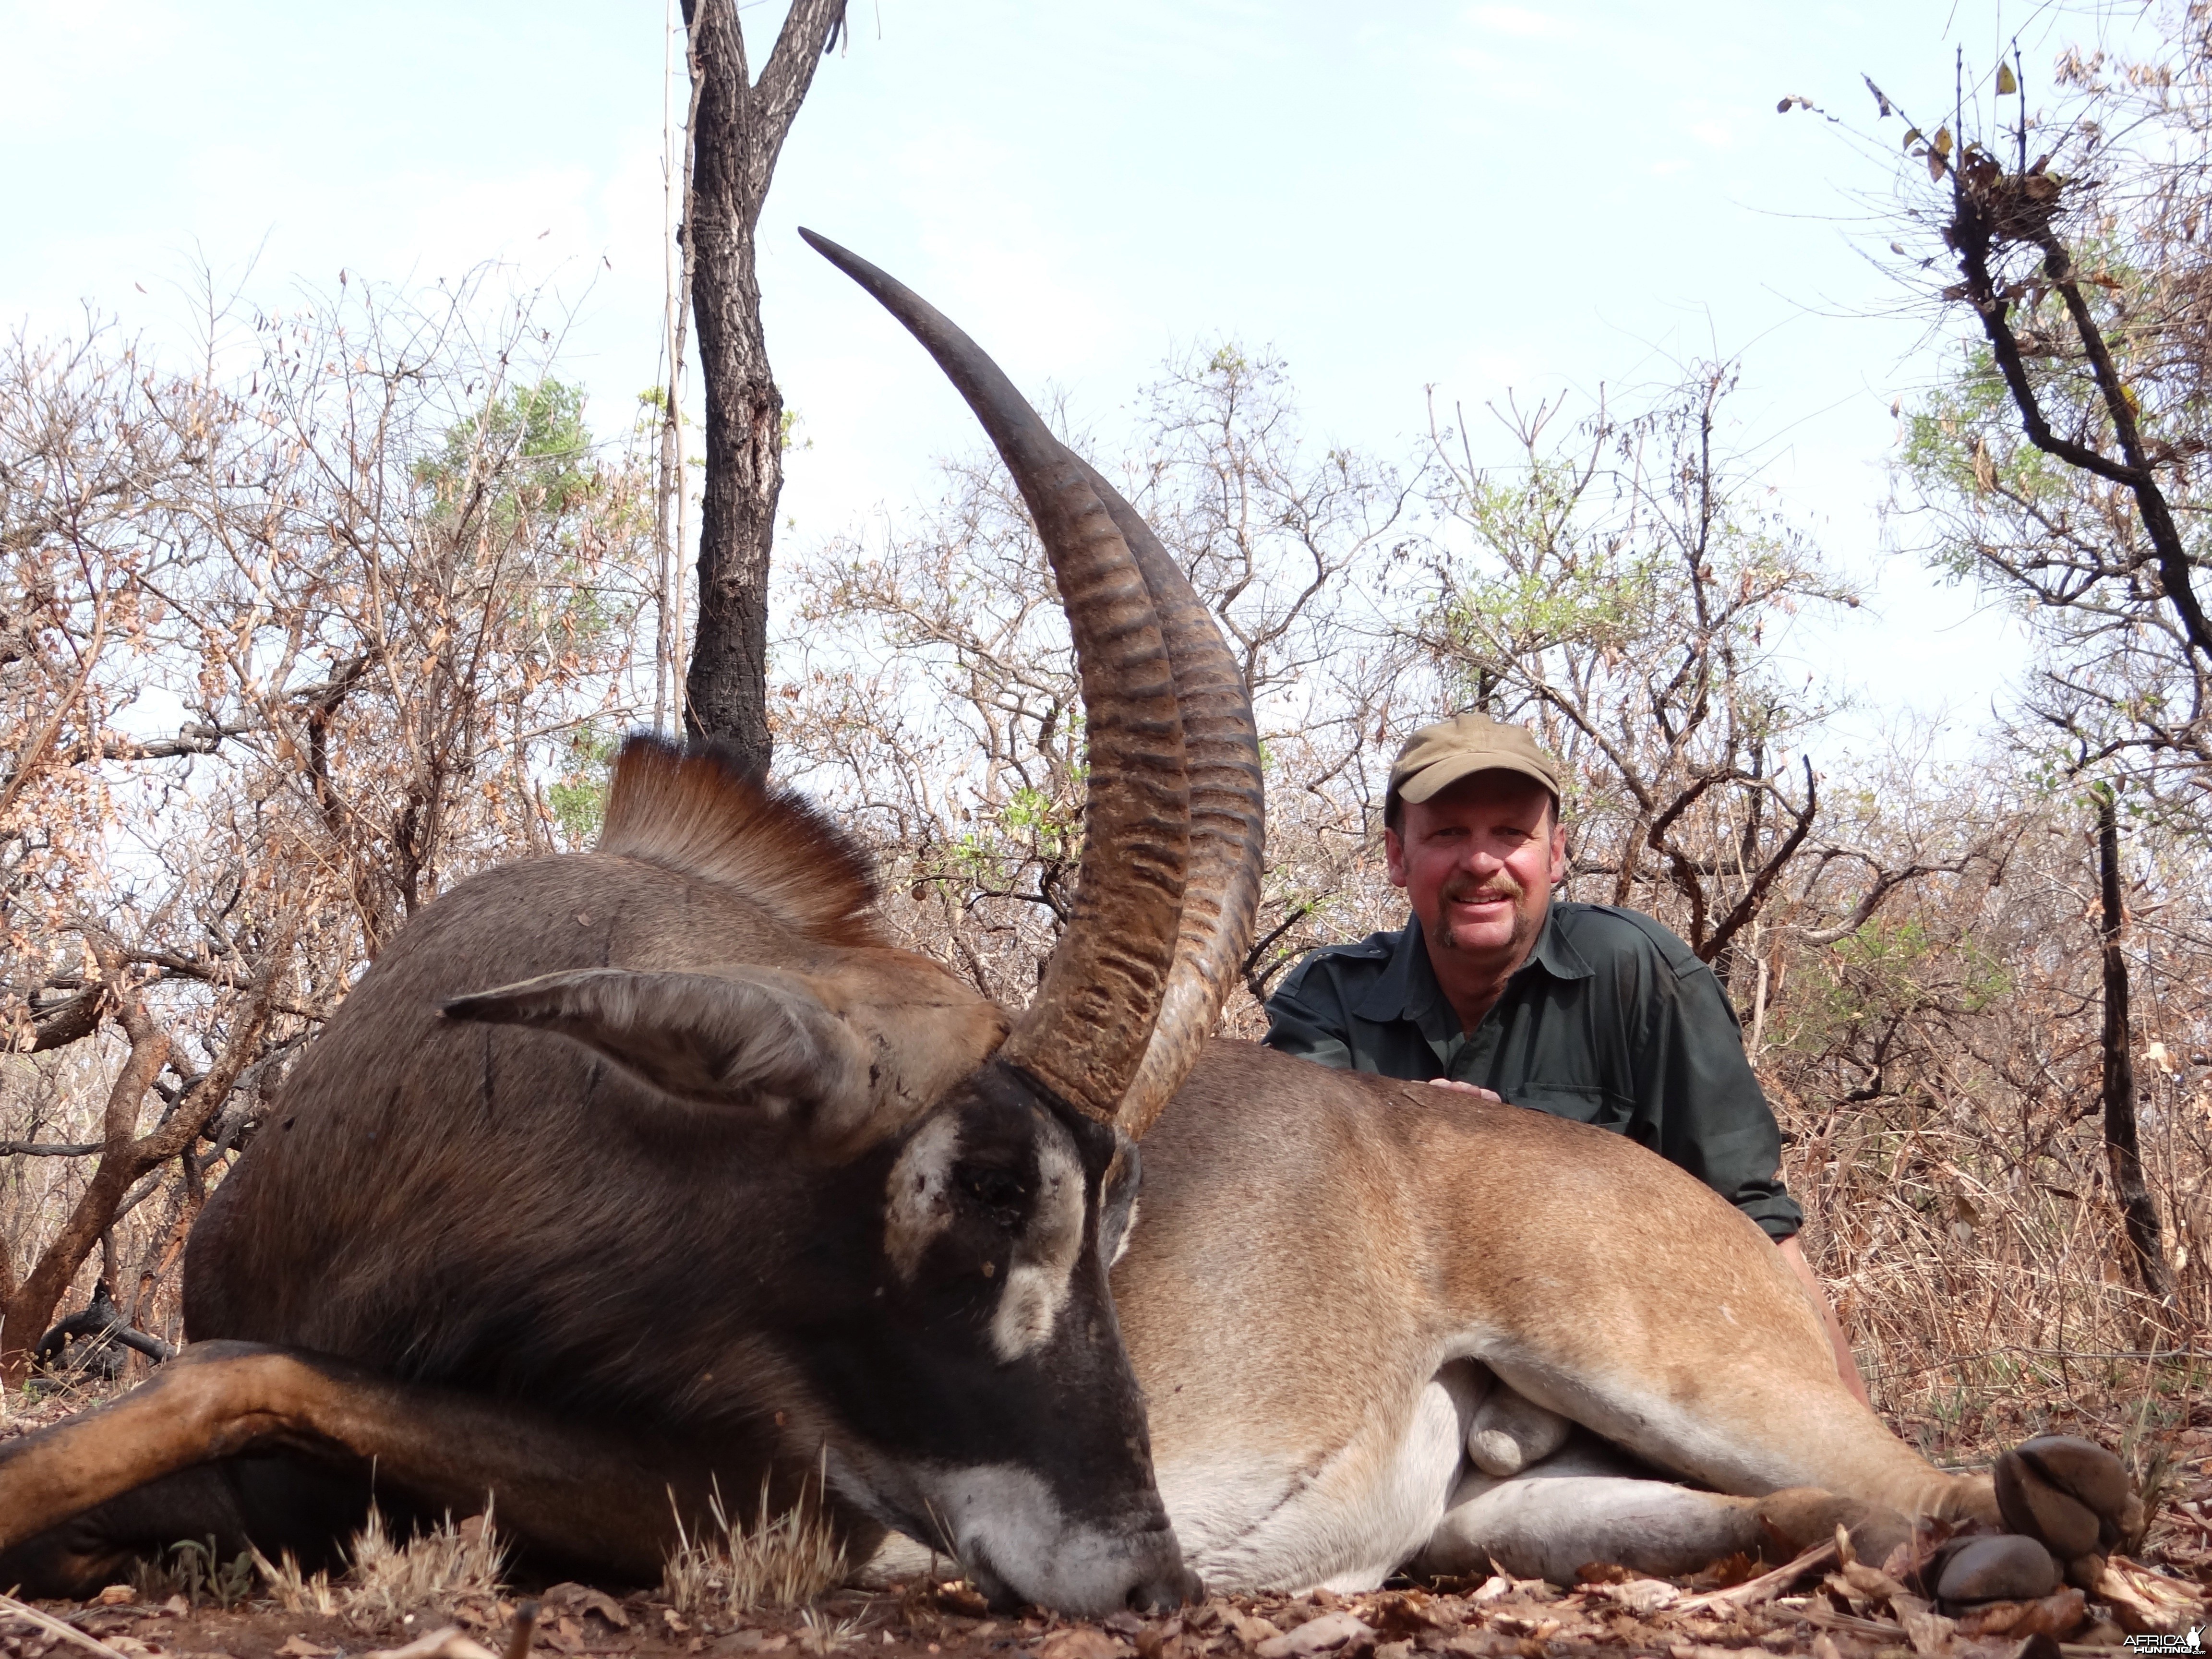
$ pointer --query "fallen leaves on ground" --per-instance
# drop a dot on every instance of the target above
(1826, 1603)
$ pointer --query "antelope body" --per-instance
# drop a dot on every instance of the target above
(714, 1185)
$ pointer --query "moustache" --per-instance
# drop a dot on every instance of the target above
(1500, 887)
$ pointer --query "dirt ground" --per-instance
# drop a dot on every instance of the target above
(1823, 1605)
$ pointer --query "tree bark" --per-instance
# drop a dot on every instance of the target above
(29, 1308)
(740, 132)
(2121, 1144)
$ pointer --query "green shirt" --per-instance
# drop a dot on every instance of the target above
(1612, 1020)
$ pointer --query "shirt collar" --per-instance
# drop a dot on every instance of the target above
(1407, 989)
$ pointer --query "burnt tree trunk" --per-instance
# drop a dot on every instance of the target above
(740, 130)
(2121, 1144)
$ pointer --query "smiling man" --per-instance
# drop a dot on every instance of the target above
(1586, 1011)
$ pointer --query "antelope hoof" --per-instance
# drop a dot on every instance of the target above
(1509, 1432)
(2071, 1495)
(2007, 1568)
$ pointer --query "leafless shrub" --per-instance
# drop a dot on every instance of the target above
(287, 643)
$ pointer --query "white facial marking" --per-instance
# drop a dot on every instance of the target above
(1003, 1518)
(1129, 1232)
(1045, 1254)
(918, 1201)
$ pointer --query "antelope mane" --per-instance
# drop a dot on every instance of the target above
(695, 811)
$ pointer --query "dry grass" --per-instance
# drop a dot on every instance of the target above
(452, 1567)
(294, 1591)
(1965, 1219)
(730, 1570)
(393, 1579)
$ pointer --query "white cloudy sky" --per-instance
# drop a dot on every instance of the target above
(1481, 198)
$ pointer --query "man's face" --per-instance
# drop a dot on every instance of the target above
(1478, 861)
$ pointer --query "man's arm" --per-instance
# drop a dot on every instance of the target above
(1306, 1016)
(1846, 1367)
(1718, 1126)
(1701, 1099)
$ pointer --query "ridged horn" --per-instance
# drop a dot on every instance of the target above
(1228, 821)
(1085, 1033)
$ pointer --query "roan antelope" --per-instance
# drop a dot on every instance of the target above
(713, 1185)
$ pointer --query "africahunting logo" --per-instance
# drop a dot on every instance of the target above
(2192, 1641)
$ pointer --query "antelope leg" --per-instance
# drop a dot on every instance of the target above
(564, 1489)
(1587, 1502)
(279, 1503)
(1592, 1502)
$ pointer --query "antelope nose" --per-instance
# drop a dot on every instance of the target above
(1176, 1586)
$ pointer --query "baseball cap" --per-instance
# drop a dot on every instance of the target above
(1436, 757)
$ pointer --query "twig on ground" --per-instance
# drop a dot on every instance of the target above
(10, 1608)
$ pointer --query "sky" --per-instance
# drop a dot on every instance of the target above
(1484, 199)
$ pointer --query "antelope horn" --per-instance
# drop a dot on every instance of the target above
(1085, 1033)
(1228, 823)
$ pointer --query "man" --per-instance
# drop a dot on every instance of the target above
(1582, 1010)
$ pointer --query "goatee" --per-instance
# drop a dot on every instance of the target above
(1500, 885)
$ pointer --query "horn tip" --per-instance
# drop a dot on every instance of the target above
(838, 255)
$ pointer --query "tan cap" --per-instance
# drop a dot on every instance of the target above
(1436, 757)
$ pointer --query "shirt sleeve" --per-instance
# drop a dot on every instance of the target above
(1711, 1116)
(1307, 1016)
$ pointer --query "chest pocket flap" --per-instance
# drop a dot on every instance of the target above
(1585, 1103)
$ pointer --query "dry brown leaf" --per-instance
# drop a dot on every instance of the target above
(1872, 1583)
(1250, 1628)
(1406, 1613)
(2146, 1602)
(1932, 1635)
(1638, 1596)
(1082, 1642)
(583, 1598)
(1766, 1586)
(446, 1641)
(1341, 1629)
(2058, 1616)
(51, 1625)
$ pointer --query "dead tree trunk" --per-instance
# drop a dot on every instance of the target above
(2121, 1144)
(740, 130)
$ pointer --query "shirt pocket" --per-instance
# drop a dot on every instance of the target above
(1585, 1103)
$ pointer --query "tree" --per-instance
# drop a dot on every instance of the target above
(738, 130)
(288, 650)
(1621, 588)
(2058, 464)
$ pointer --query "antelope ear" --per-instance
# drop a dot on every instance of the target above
(758, 1038)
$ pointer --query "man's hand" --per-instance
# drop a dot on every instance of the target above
(1464, 1088)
